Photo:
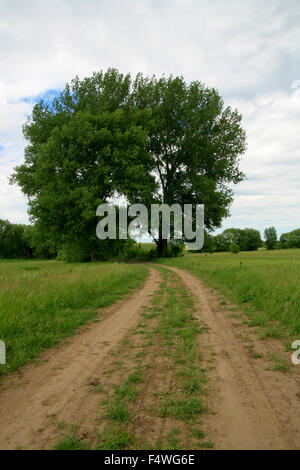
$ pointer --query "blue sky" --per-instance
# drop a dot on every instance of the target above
(249, 50)
(47, 96)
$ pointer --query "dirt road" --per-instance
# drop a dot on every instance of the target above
(255, 408)
(251, 406)
(59, 387)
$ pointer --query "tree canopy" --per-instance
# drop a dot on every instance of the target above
(151, 140)
(83, 148)
(290, 239)
(270, 237)
(194, 144)
(24, 241)
(247, 239)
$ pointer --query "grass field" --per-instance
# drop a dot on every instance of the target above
(148, 246)
(154, 387)
(44, 301)
(265, 283)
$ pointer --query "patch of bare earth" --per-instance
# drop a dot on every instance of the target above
(35, 403)
(253, 406)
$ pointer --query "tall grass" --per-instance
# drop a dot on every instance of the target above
(44, 301)
(265, 283)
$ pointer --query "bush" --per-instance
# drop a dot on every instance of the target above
(175, 249)
(234, 248)
(136, 251)
(78, 251)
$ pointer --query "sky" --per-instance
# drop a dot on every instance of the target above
(249, 50)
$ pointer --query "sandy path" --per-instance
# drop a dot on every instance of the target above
(59, 388)
(254, 408)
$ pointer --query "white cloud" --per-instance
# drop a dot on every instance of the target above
(271, 193)
(249, 50)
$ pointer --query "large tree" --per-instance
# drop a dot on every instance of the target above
(152, 140)
(88, 144)
(194, 143)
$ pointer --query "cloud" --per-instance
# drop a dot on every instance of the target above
(271, 193)
(249, 50)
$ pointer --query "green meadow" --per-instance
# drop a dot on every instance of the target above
(266, 284)
(42, 302)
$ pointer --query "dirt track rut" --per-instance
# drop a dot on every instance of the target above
(59, 387)
(248, 412)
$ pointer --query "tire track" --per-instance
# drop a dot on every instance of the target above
(59, 387)
(245, 416)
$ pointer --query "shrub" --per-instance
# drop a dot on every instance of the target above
(136, 251)
(234, 248)
(175, 249)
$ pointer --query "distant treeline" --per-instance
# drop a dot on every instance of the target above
(249, 239)
(19, 241)
(290, 239)
(24, 241)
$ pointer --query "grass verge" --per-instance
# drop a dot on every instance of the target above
(266, 284)
(42, 302)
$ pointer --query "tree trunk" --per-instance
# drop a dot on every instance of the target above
(29, 251)
(162, 247)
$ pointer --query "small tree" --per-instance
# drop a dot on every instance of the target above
(270, 237)
(234, 248)
(250, 239)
